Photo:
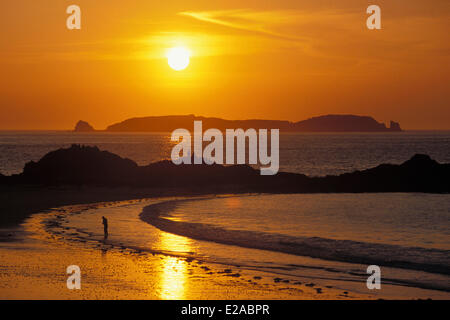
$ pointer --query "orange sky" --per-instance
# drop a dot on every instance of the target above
(285, 60)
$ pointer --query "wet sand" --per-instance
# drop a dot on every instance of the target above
(33, 266)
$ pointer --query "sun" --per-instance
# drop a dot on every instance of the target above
(178, 58)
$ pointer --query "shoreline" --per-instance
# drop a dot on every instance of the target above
(131, 270)
(315, 247)
(119, 272)
(18, 203)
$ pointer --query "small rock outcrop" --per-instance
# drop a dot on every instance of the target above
(395, 126)
(83, 126)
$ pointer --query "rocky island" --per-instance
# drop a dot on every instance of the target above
(327, 123)
(83, 126)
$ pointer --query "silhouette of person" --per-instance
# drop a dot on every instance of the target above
(105, 227)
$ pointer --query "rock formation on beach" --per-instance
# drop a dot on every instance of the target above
(84, 165)
(79, 165)
(328, 123)
(83, 126)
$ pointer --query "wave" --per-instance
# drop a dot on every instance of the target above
(413, 258)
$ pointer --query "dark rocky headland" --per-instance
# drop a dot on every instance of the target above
(89, 166)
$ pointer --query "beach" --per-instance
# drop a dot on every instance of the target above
(34, 267)
(139, 261)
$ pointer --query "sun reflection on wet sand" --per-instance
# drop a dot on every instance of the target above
(173, 275)
(233, 202)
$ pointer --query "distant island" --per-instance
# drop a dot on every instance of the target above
(83, 126)
(327, 123)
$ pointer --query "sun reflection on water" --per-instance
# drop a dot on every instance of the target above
(174, 273)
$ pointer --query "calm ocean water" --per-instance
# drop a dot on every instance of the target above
(308, 153)
(405, 219)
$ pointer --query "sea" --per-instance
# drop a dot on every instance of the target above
(313, 154)
(309, 236)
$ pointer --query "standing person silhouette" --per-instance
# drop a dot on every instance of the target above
(105, 227)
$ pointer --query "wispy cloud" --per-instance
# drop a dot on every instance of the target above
(261, 22)
(336, 33)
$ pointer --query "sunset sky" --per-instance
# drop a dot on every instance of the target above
(285, 59)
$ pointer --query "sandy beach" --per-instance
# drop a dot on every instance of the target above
(34, 266)
(35, 258)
